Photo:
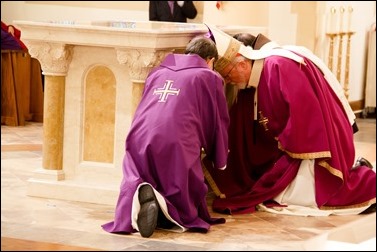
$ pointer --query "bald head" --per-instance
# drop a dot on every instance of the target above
(246, 38)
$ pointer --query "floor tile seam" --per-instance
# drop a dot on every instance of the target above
(21, 147)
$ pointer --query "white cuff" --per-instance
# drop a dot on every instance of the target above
(181, 3)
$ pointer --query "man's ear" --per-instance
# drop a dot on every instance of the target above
(245, 65)
(242, 64)
(211, 62)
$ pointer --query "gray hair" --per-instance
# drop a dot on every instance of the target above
(202, 46)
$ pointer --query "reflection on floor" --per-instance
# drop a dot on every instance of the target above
(30, 223)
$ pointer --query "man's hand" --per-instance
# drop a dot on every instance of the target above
(11, 30)
(180, 3)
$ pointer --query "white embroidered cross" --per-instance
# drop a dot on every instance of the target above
(166, 91)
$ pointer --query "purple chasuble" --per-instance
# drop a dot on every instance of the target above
(304, 120)
(183, 109)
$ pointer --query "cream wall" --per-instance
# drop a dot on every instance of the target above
(288, 22)
(236, 13)
(129, 5)
(73, 10)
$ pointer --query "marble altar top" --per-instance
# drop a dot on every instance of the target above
(120, 34)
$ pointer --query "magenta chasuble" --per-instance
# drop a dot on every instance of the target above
(299, 117)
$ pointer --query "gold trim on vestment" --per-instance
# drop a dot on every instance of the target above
(331, 169)
(363, 204)
(229, 55)
(311, 155)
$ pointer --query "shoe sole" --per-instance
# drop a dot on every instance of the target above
(149, 208)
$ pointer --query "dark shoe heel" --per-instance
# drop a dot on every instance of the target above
(362, 162)
(148, 215)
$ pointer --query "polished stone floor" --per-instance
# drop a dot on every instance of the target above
(40, 224)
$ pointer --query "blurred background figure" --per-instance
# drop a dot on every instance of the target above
(172, 11)
(11, 38)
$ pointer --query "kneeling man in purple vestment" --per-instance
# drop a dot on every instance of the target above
(182, 111)
(290, 136)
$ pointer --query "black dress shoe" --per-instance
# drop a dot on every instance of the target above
(148, 215)
(362, 162)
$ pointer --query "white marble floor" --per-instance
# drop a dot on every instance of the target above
(67, 223)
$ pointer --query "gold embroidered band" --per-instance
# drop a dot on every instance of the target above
(229, 55)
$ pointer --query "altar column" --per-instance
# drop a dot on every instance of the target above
(139, 63)
(55, 60)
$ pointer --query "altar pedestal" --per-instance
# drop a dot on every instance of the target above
(94, 78)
